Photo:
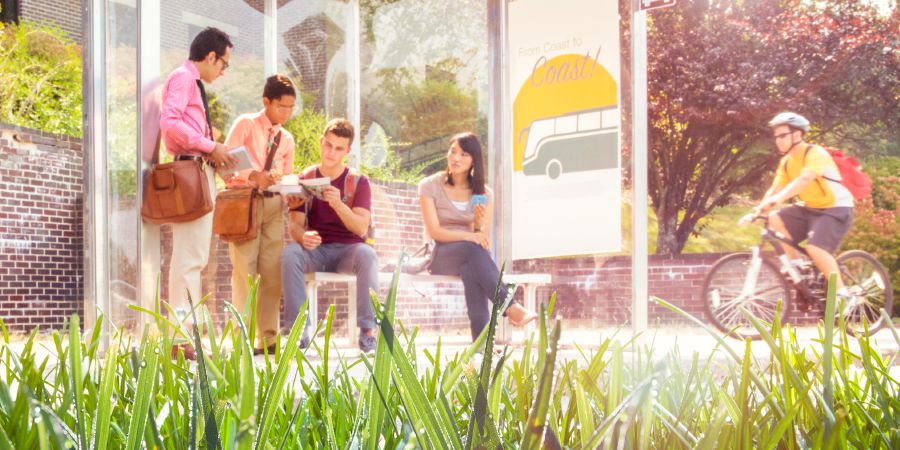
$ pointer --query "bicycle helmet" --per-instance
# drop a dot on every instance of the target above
(790, 119)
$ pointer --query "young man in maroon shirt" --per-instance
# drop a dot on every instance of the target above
(329, 234)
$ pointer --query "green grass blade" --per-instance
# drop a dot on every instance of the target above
(210, 427)
(140, 413)
(381, 376)
(275, 388)
(435, 419)
(537, 419)
(827, 377)
(105, 405)
(480, 411)
(247, 401)
(76, 378)
(5, 443)
(721, 341)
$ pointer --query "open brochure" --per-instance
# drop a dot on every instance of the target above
(293, 185)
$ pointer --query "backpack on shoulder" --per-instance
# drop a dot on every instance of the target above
(852, 176)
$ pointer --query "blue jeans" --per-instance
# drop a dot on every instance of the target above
(357, 259)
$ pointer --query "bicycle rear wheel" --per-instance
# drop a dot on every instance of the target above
(723, 294)
(870, 291)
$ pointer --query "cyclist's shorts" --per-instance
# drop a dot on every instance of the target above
(822, 227)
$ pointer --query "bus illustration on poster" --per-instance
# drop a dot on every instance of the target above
(566, 173)
(572, 143)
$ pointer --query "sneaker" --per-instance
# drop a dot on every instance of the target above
(305, 340)
(187, 349)
(367, 341)
(270, 350)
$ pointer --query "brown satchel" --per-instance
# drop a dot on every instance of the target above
(235, 218)
(175, 192)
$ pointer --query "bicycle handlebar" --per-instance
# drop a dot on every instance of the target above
(757, 214)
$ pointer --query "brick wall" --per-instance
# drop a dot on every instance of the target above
(429, 306)
(66, 14)
(40, 228)
(591, 290)
(41, 254)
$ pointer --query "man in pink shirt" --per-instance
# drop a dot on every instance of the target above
(261, 133)
(187, 134)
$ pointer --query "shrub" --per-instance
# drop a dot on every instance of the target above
(307, 126)
(876, 220)
(41, 73)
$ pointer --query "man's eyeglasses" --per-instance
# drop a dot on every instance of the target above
(224, 63)
(781, 135)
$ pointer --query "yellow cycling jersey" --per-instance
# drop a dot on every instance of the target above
(825, 191)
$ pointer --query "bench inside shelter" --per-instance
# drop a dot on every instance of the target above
(528, 281)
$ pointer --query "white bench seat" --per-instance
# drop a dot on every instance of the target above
(528, 281)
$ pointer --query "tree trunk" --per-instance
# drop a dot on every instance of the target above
(667, 237)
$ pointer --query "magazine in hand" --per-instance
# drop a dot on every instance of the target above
(293, 185)
(243, 161)
(315, 186)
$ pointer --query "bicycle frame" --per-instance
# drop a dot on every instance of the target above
(774, 238)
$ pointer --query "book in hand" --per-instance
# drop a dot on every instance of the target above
(243, 161)
(293, 185)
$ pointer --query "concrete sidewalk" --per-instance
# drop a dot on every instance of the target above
(578, 343)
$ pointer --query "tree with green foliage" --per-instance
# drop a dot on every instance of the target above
(41, 72)
(306, 127)
(718, 70)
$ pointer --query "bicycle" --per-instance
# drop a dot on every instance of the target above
(757, 281)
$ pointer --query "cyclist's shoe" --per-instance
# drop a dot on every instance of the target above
(802, 302)
(847, 300)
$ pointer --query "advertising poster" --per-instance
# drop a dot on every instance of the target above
(564, 78)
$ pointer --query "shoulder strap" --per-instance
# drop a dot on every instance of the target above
(351, 181)
(155, 159)
(308, 173)
(806, 152)
(273, 147)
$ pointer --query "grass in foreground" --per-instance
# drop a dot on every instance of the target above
(132, 395)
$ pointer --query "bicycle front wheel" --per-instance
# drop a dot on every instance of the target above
(870, 291)
(724, 291)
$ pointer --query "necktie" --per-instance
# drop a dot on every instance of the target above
(205, 106)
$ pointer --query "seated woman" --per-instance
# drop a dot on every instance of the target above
(460, 228)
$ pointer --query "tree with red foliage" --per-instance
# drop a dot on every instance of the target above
(718, 70)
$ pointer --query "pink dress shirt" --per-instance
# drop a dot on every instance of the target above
(182, 118)
(255, 131)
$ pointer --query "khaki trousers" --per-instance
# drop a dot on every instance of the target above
(261, 257)
(190, 254)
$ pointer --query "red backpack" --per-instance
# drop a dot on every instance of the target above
(852, 176)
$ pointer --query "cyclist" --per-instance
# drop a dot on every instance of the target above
(825, 211)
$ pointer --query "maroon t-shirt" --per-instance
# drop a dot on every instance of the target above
(325, 220)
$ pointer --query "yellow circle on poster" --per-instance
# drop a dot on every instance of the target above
(565, 84)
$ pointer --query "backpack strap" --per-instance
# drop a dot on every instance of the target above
(308, 173)
(351, 181)
(806, 152)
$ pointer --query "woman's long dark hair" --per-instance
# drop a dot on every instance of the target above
(468, 142)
